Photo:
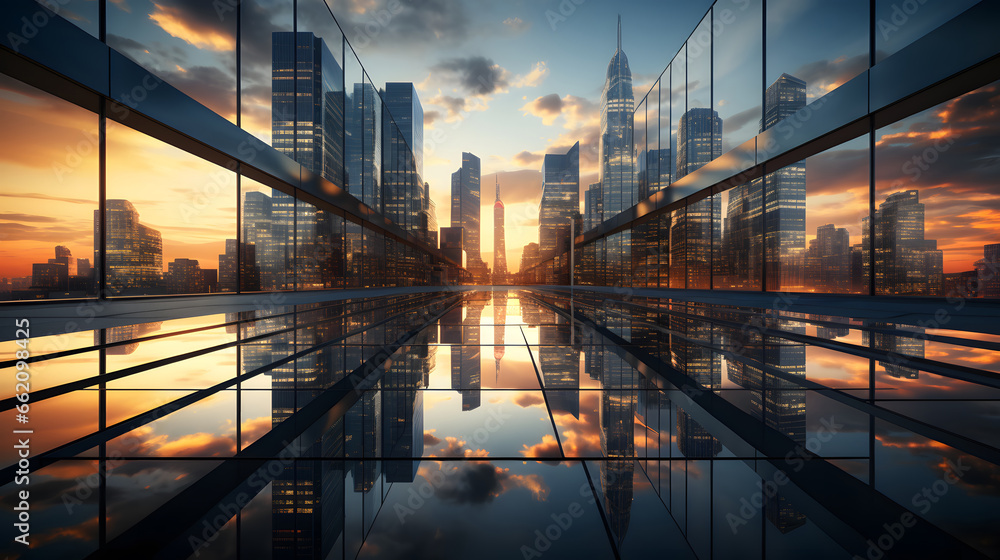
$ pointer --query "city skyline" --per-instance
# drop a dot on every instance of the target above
(735, 294)
(959, 254)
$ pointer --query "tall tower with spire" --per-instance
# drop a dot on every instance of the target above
(618, 183)
(499, 243)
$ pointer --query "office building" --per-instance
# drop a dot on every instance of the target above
(560, 199)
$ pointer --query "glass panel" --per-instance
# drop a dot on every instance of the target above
(50, 191)
(354, 128)
(699, 133)
(678, 276)
(699, 230)
(639, 163)
(656, 161)
(678, 104)
(811, 52)
(308, 268)
(168, 216)
(814, 214)
(266, 86)
(374, 259)
(372, 148)
(394, 173)
(268, 242)
(899, 23)
(668, 152)
(738, 243)
(737, 57)
(84, 14)
(191, 45)
(664, 249)
(319, 78)
(936, 202)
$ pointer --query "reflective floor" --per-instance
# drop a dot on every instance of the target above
(517, 424)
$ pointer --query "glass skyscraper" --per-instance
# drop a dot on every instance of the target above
(403, 135)
(560, 198)
(465, 200)
(499, 239)
(617, 122)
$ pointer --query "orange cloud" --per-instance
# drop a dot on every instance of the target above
(525, 400)
(549, 447)
(172, 20)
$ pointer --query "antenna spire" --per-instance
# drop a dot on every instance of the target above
(497, 177)
(619, 32)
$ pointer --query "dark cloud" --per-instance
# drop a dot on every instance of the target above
(13, 231)
(454, 105)
(416, 537)
(430, 439)
(823, 74)
(430, 117)
(376, 24)
(125, 45)
(551, 104)
(741, 119)
(526, 399)
(527, 158)
(27, 218)
(473, 483)
(477, 75)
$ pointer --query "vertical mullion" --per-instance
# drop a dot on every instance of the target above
(763, 176)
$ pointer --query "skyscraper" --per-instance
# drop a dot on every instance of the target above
(560, 198)
(307, 103)
(781, 197)
(363, 145)
(499, 241)
(402, 188)
(617, 119)
(403, 103)
(134, 252)
(654, 172)
(784, 195)
(828, 261)
(466, 368)
(465, 211)
(905, 262)
(272, 236)
(307, 124)
(592, 207)
(988, 271)
(699, 139)
(898, 347)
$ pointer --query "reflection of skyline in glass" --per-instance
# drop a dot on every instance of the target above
(778, 403)
(466, 367)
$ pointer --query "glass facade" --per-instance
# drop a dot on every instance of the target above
(130, 208)
(747, 192)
